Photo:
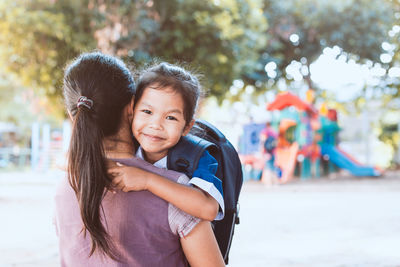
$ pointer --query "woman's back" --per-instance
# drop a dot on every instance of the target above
(143, 227)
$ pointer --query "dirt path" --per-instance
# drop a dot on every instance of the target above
(327, 222)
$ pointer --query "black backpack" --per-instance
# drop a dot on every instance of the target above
(184, 157)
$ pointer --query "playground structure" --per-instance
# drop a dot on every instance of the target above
(307, 144)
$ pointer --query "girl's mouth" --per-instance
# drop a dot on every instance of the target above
(153, 137)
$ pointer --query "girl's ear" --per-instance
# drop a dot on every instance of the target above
(187, 128)
(131, 105)
(129, 110)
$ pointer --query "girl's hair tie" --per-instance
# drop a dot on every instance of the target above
(84, 101)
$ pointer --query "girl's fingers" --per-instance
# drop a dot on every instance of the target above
(114, 187)
(125, 189)
(116, 179)
(117, 175)
(116, 170)
(113, 173)
(119, 184)
(111, 164)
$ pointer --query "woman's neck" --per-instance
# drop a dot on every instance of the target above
(118, 148)
(121, 144)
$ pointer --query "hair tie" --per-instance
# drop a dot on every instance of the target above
(84, 101)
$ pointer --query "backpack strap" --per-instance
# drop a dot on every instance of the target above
(185, 155)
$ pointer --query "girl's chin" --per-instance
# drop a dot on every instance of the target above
(155, 154)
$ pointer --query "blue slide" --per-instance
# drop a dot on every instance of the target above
(342, 161)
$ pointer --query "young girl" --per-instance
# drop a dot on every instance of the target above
(165, 103)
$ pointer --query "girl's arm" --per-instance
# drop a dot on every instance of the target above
(187, 198)
(201, 248)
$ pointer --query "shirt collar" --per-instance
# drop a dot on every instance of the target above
(162, 163)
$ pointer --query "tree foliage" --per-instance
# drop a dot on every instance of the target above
(224, 39)
(38, 37)
(219, 39)
(300, 29)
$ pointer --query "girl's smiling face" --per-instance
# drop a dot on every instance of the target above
(158, 121)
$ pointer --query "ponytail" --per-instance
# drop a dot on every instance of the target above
(97, 88)
(87, 175)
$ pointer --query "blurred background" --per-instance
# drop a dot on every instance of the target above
(322, 78)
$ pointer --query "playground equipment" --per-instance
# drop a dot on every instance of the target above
(345, 161)
(307, 141)
(286, 161)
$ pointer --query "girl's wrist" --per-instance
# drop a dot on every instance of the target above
(149, 182)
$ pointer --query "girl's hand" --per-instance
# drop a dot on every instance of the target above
(128, 178)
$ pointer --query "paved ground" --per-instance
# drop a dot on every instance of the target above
(326, 222)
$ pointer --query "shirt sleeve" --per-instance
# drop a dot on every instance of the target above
(204, 178)
(180, 222)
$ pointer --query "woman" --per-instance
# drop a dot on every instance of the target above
(99, 226)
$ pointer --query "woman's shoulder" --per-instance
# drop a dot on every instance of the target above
(63, 187)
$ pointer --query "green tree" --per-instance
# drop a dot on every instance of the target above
(225, 39)
(38, 37)
(388, 89)
(219, 39)
(300, 30)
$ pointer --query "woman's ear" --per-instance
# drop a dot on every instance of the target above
(187, 128)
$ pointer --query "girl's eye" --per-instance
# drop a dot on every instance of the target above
(146, 111)
(172, 118)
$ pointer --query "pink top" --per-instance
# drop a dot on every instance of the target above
(144, 228)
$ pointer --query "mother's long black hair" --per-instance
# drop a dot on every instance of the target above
(109, 84)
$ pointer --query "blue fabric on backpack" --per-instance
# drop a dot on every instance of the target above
(211, 162)
(205, 179)
(212, 165)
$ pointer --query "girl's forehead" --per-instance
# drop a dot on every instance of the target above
(157, 86)
(152, 90)
(157, 94)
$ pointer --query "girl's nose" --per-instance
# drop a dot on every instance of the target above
(155, 123)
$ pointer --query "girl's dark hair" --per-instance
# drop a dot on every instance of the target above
(180, 80)
(109, 84)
